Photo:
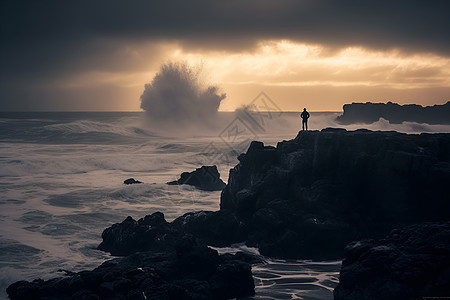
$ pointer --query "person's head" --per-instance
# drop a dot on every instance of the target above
(304, 109)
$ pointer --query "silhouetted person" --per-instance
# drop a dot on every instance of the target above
(305, 117)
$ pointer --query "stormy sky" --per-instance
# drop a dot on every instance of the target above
(98, 55)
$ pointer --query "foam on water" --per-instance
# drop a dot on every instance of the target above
(291, 279)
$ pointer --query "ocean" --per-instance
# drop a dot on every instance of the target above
(62, 184)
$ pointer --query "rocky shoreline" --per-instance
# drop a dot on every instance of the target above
(306, 198)
(183, 270)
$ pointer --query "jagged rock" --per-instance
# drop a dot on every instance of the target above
(371, 112)
(412, 263)
(154, 233)
(309, 197)
(151, 233)
(190, 271)
(205, 178)
(131, 181)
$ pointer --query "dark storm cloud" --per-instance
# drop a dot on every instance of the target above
(44, 40)
(414, 24)
(48, 35)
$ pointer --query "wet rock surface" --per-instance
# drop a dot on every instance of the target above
(205, 178)
(411, 263)
(131, 181)
(154, 233)
(151, 233)
(189, 271)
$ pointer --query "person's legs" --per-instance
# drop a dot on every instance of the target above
(306, 124)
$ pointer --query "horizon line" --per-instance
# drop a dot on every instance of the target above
(142, 111)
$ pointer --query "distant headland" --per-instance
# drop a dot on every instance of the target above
(371, 112)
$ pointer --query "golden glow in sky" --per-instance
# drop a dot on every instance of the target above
(293, 74)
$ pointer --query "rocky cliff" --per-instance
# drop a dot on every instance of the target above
(310, 196)
(371, 112)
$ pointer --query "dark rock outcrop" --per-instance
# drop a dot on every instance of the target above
(151, 233)
(131, 181)
(371, 112)
(190, 271)
(309, 197)
(154, 233)
(205, 178)
(412, 263)
(219, 228)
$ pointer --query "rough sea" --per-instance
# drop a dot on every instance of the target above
(61, 185)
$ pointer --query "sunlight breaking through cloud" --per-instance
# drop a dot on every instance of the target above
(286, 63)
(318, 76)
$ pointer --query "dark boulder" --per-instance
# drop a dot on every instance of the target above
(412, 263)
(310, 196)
(205, 178)
(190, 271)
(151, 233)
(131, 181)
(154, 233)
